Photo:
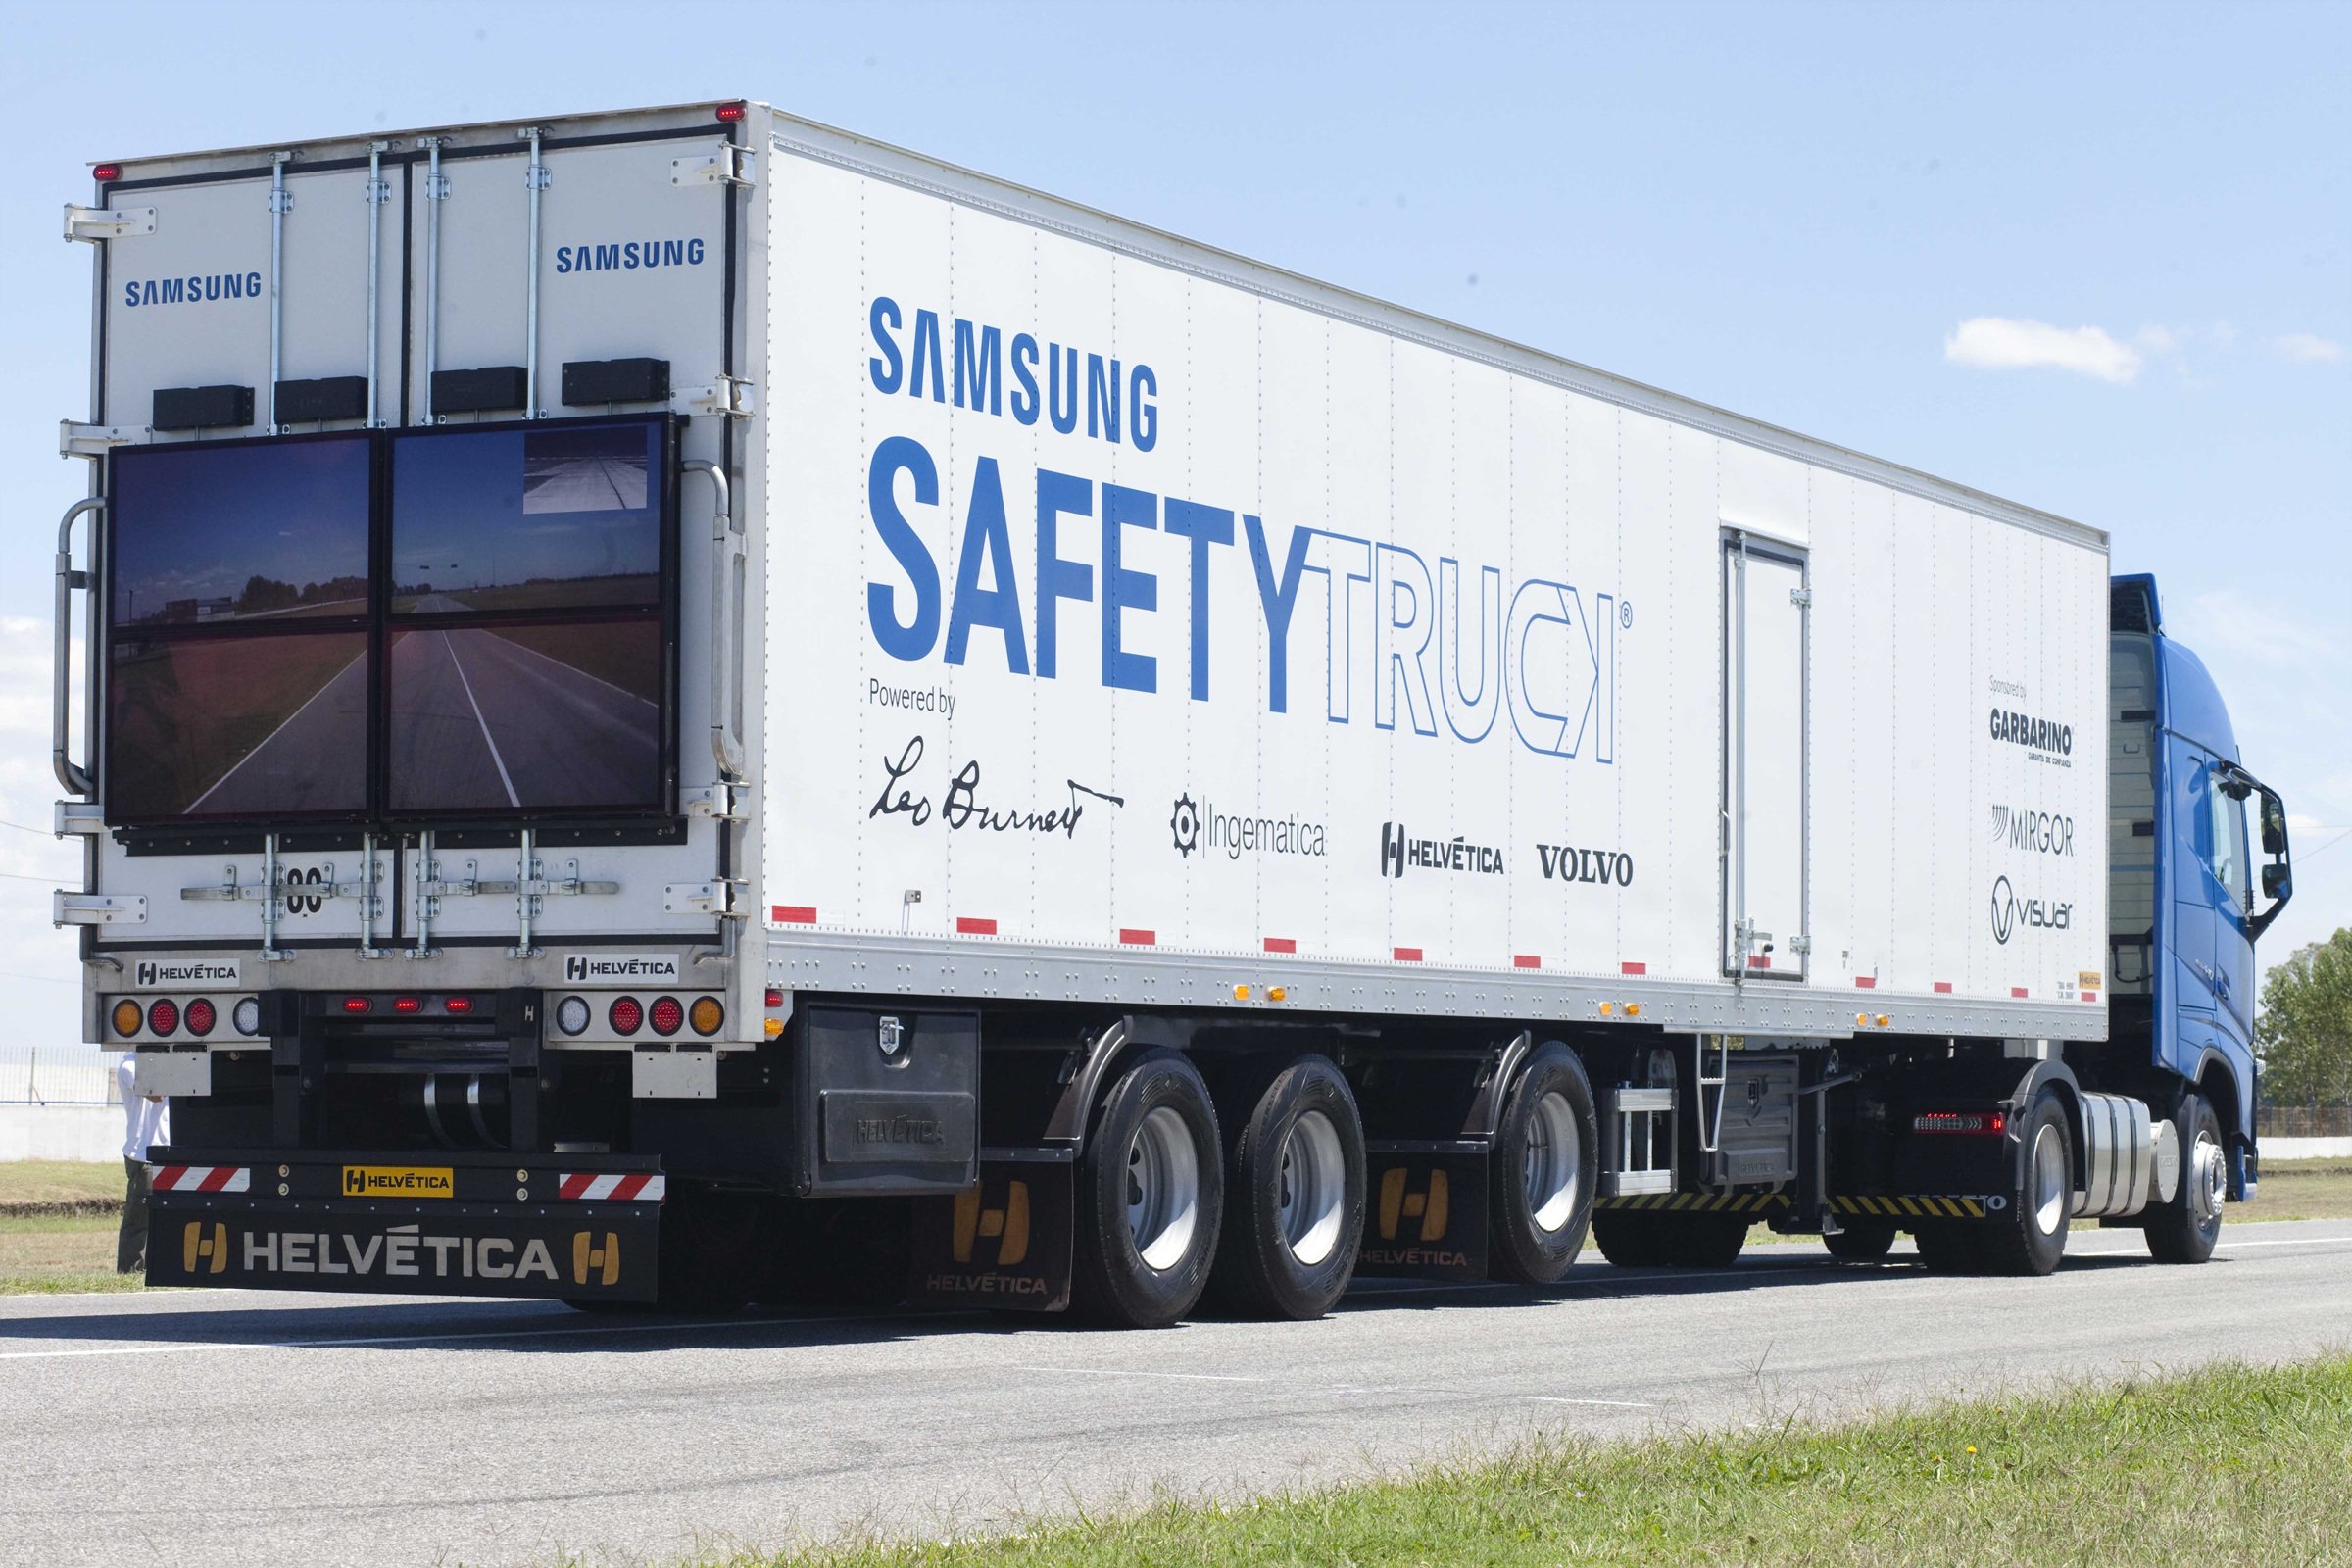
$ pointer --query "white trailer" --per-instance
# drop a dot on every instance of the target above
(648, 655)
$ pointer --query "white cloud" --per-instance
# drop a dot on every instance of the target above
(2308, 348)
(2003, 343)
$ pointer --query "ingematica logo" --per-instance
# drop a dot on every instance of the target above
(1184, 823)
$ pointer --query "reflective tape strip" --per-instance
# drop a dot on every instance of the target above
(201, 1178)
(633, 1187)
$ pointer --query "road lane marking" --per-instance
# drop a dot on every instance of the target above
(1620, 1405)
(1120, 1372)
(274, 734)
(512, 799)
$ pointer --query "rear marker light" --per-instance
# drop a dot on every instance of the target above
(128, 1017)
(107, 173)
(1967, 1123)
(356, 1003)
(459, 1004)
(164, 1017)
(571, 1014)
(775, 998)
(705, 1015)
(246, 1015)
(627, 1016)
(408, 1005)
(669, 1016)
(201, 1017)
(728, 114)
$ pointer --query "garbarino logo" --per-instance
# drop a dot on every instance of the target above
(2047, 739)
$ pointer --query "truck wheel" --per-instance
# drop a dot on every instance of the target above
(1150, 1190)
(2185, 1230)
(1860, 1243)
(1544, 1164)
(1670, 1240)
(1294, 1196)
(2031, 1236)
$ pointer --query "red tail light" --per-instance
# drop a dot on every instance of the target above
(163, 1017)
(669, 1015)
(775, 998)
(356, 1003)
(408, 1005)
(459, 1004)
(201, 1017)
(1963, 1123)
(626, 1017)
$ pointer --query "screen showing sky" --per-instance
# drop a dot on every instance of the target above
(521, 519)
(239, 533)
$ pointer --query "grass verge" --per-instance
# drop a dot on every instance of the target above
(59, 1181)
(2227, 1465)
(45, 1255)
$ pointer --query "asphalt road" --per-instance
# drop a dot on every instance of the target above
(315, 761)
(586, 484)
(239, 1427)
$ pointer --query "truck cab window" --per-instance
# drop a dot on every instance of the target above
(2227, 852)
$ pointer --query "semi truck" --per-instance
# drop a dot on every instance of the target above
(683, 707)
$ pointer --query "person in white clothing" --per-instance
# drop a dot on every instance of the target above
(146, 1123)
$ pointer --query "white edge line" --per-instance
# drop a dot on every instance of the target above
(274, 734)
(449, 643)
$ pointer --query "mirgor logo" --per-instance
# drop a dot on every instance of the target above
(2009, 911)
(2023, 828)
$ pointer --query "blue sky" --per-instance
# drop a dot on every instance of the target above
(2097, 258)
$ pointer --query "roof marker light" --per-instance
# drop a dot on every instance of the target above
(107, 173)
(728, 114)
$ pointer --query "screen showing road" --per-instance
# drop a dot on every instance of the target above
(237, 726)
(248, 532)
(526, 519)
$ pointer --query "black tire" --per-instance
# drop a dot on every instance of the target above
(1947, 1249)
(1645, 1239)
(1294, 1196)
(2029, 1236)
(2185, 1230)
(1113, 1282)
(1863, 1242)
(1550, 1102)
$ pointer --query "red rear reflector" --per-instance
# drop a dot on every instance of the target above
(1632, 968)
(1282, 944)
(107, 173)
(459, 1004)
(775, 998)
(1141, 939)
(2017, 991)
(975, 925)
(355, 1003)
(1406, 955)
(669, 1015)
(1967, 1123)
(626, 1017)
(728, 114)
(408, 1005)
(794, 914)
(1943, 988)
(201, 1017)
(163, 1017)
(1526, 960)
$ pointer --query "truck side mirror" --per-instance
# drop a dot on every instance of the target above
(2278, 877)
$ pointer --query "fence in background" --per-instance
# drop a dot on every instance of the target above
(57, 1075)
(2303, 1122)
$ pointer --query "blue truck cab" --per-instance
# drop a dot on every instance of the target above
(2186, 901)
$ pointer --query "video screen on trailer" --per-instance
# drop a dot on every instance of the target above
(257, 532)
(238, 726)
(498, 698)
(554, 518)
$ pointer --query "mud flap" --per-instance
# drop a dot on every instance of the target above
(1005, 1243)
(574, 1250)
(1425, 1214)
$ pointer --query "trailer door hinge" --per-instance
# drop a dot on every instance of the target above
(93, 440)
(721, 803)
(94, 224)
(80, 816)
(729, 395)
(729, 165)
(97, 909)
(703, 897)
